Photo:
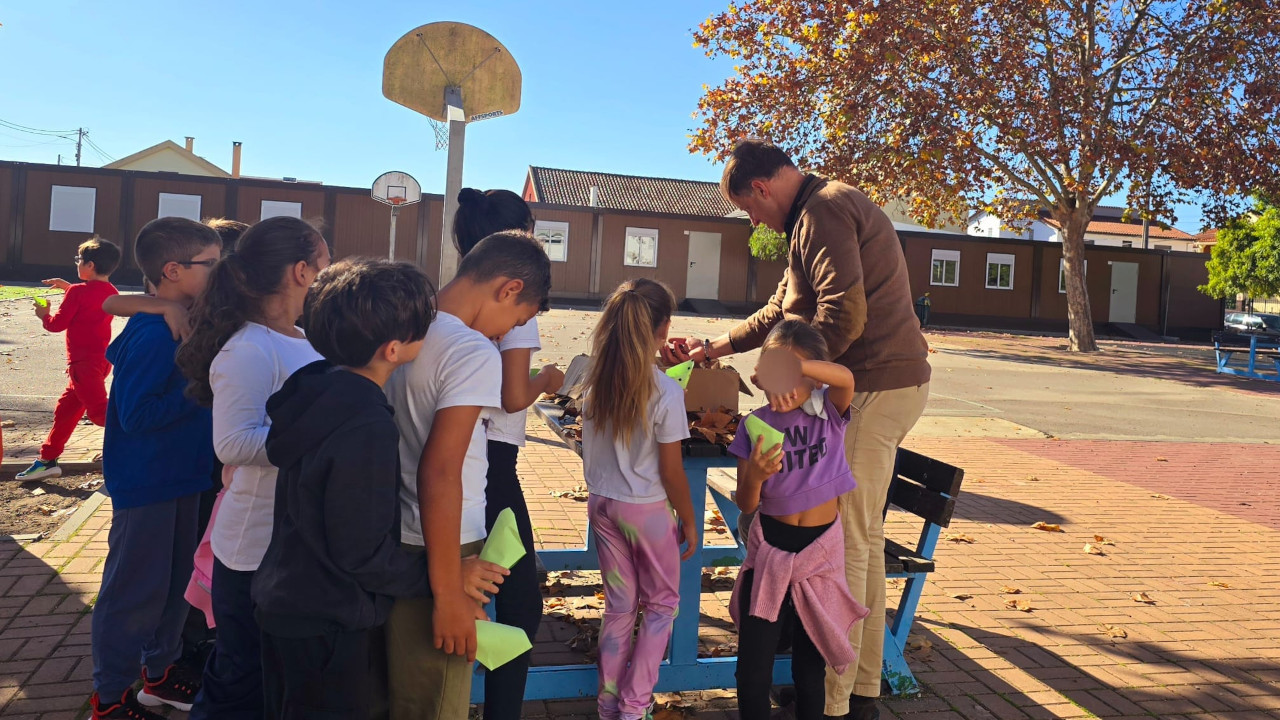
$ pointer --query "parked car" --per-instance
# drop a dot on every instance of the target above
(1253, 323)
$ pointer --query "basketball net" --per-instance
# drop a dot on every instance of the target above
(442, 133)
(396, 201)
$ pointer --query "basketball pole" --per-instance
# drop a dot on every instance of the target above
(452, 181)
(395, 210)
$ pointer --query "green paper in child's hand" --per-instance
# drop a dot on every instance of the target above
(503, 546)
(757, 428)
(42, 302)
(680, 373)
(533, 372)
(498, 644)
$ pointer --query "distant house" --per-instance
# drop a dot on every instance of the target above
(1109, 227)
(169, 156)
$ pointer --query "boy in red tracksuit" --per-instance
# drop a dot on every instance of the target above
(88, 331)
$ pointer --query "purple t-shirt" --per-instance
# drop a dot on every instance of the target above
(814, 468)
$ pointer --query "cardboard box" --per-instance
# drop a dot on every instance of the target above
(713, 389)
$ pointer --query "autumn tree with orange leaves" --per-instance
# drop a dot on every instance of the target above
(1010, 105)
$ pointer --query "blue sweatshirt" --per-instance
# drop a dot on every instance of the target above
(158, 444)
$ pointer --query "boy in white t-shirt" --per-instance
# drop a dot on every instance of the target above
(442, 401)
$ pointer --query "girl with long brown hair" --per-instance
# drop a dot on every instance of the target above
(640, 507)
(244, 344)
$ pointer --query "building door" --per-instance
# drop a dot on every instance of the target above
(704, 266)
(1124, 292)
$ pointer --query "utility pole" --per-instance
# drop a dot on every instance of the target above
(79, 141)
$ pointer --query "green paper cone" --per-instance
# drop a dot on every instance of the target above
(533, 372)
(498, 644)
(503, 546)
(42, 302)
(680, 373)
(757, 427)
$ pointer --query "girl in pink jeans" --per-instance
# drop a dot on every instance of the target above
(633, 422)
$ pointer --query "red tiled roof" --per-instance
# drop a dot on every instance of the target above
(1208, 237)
(628, 192)
(1100, 227)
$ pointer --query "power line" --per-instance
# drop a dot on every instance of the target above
(94, 146)
(33, 131)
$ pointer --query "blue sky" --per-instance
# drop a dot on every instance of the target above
(608, 86)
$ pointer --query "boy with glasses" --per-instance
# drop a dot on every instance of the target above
(88, 331)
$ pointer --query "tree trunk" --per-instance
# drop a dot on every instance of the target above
(1079, 314)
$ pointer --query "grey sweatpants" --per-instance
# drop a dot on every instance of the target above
(140, 612)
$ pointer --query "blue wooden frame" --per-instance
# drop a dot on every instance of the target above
(1224, 355)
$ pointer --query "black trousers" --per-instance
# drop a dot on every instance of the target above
(759, 640)
(197, 636)
(335, 675)
(519, 600)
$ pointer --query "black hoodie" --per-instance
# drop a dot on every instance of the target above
(335, 560)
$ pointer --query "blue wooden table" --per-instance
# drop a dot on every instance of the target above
(683, 670)
(1256, 342)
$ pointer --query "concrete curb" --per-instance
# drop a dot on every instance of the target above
(79, 517)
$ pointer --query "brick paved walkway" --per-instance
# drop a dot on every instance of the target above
(1207, 647)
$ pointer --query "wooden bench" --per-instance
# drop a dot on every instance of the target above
(1258, 347)
(923, 487)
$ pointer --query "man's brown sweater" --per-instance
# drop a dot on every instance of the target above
(846, 276)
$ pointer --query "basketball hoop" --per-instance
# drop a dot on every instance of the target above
(396, 189)
(442, 133)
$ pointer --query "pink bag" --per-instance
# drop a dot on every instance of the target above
(200, 590)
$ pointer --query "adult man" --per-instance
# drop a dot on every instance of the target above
(846, 275)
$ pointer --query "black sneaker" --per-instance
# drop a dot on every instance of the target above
(176, 688)
(127, 708)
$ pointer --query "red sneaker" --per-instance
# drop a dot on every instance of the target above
(127, 709)
(173, 688)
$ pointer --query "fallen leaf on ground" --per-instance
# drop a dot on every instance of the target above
(1101, 540)
(1158, 496)
(1023, 605)
(958, 537)
(962, 596)
(1141, 597)
(1219, 584)
(38, 491)
(47, 509)
(1162, 459)
(1093, 549)
(1114, 631)
(1033, 478)
(1047, 527)
(90, 484)
(1011, 590)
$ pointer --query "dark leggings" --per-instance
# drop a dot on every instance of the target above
(759, 640)
(519, 601)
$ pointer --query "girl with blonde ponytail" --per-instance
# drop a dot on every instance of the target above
(640, 507)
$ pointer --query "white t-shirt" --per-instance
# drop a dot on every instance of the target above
(456, 367)
(626, 471)
(510, 427)
(252, 366)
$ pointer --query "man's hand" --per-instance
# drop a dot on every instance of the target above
(454, 623)
(764, 462)
(57, 283)
(481, 578)
(678, 350)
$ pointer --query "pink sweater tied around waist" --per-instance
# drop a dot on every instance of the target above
(815, 578)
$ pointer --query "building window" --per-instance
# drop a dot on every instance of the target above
(641, 248)
(946, 268)
(1164, 247)
(554, 237)
(999, 271)
(175, 205)
(71, 208)
(278, 208)
(1126, 243)
(1062, 274)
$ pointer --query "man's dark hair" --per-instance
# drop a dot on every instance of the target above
(229, 230)
(171, 239)
(104, 254)
(511, 254)
(358, 305)
(797, 335)
(752, 159)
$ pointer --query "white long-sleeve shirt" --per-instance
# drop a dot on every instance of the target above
(252, 366)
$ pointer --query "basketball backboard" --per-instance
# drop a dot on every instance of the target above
(396, 188)
(428, 59)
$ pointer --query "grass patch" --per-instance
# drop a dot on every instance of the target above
(12, 292)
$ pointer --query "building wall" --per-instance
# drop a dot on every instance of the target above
(1187, 306)
(571, 278)
(971, 296)
(55, 249)
(250, 196)
(673, 253)
(168, 161)
(362, 226)
(6, 215)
